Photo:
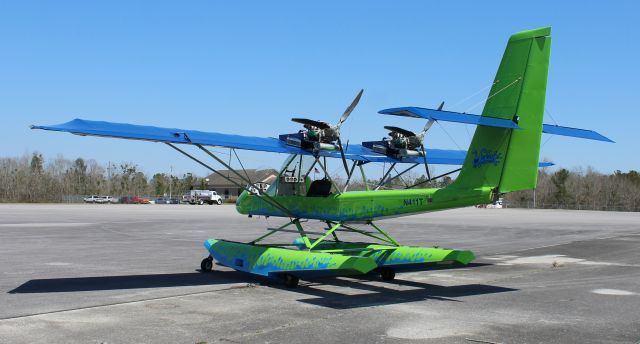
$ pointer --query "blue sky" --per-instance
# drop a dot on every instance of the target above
(248, 67)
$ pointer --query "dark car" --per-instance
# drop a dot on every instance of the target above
(166, 200)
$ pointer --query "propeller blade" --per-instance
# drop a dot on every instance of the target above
(404, 132)
(429, 123)
(348, 111)
(344, 160)
(321, 125)
(426, 128)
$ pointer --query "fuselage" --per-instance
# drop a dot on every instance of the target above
(364, 205)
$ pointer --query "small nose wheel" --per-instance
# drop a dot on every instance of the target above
(291, 281)
(387, 274)
(207, 264)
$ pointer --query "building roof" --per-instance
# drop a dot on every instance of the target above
(256, 176)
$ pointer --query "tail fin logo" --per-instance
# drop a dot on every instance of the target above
(486, 156)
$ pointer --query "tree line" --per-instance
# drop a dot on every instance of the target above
(584, 189)
(30, 178)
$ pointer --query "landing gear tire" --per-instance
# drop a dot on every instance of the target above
(291, 281)
(387, 274)
(206, 265)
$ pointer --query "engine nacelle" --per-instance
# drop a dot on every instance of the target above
(386, 147)
(294, 141)
(409, 152)
(380, 149)
(324, 146)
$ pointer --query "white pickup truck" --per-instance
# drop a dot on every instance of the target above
(202, 197)
(99, 199)
(106, 199)
(91, 199)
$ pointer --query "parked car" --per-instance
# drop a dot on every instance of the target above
(105, 199)
(91, 199)
(499, 204)
(166, 200)
(134, 200)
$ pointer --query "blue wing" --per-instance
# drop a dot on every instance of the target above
(264, 144)
(170, 135)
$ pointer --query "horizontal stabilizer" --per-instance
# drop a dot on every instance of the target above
(434, 156)
(487, 121)
(574, 132)
(450, 116)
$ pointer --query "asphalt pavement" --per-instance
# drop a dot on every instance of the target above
(83, 273)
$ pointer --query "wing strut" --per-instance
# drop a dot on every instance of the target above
(398, 175)
(241, 165)
(263, 196)
(434, 178)
(382, 181)
(426, 164)
(326, 173)
(350, 173)
(266, 197)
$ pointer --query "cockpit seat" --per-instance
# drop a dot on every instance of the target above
(319, 188)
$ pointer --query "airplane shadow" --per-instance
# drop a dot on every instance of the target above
(75, 284)
(394, 292)
(387, 293)
(337, 293)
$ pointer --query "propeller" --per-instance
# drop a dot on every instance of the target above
(413, 140)
(317, 124)
(429, 123)
(343, 118)
(417, 138)
(404, 132)
(424, 131)
(348, 111)
(328, 133)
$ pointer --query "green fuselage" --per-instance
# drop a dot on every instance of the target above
(364, 205)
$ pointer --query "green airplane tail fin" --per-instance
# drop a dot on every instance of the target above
(507, 159)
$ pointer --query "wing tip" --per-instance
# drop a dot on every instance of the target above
(606, 139)
(389, 111)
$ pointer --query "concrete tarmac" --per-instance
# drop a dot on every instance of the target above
(128, 274)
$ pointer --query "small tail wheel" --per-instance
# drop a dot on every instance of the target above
(219, 201)
(387, 274)
(291, 281)
(207, 264)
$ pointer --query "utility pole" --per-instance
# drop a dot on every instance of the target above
(170, 179)
(109, 178)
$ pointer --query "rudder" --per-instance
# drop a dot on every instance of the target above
(507, 159)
